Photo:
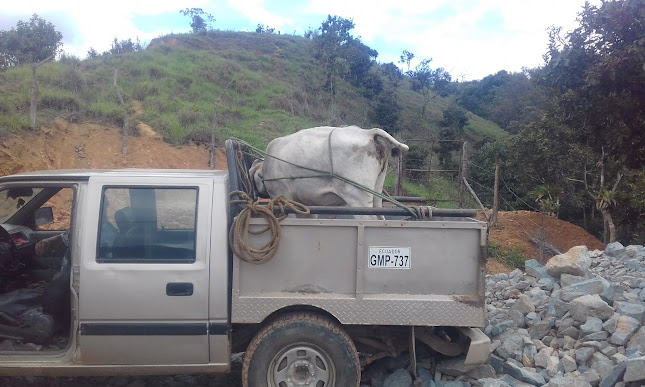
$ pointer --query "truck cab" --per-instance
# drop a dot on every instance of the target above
(147, 268)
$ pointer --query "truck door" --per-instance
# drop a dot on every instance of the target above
(144, 272)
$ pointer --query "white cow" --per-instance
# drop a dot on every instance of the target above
(356, 154)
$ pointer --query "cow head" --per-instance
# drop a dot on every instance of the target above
(256, 175)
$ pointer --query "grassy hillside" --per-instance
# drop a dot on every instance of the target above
(247, 85)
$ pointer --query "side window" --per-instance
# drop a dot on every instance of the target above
(155, 225)
(61, 205)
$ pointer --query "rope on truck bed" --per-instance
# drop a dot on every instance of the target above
(238, 237)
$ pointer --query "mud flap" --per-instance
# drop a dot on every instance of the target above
(479, 348)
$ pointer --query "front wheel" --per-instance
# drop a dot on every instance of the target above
(301, 349)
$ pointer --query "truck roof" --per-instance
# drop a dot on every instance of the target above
(85, 174)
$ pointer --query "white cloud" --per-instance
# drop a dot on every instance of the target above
(99, 22)
(256, 13)
(456, 41)
(449, 31)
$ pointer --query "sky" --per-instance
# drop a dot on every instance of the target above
(468, 38)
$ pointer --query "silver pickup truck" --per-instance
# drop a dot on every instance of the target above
(130, 272)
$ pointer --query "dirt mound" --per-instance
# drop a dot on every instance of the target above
(64, 145)
(518, 228)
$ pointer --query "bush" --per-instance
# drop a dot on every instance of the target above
(58, 99)
(511, 256)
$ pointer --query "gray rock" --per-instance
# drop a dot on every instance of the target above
(546, 283)
(614, 376)
(556, 308)
(531, 319)
(424, 378)
(590, 305)
(613, 293)
(454, 366)
(542, 328)
(523, 374)
(522, 285)
(482, 371)
(615, 249)
(592, 325)
(512, 344)
(399, 378)
(609, 350)
(641, 295)
(538, 296)
(638, 340)
(523, 305)
(603, 368)
(588, 286)
(514, 382)
(625, 328)
(535, 269)
(569, 363)
(610, 324)
(596, 336)
(635, 369)
(633, 352)
(583, 354)
(576, 261)
(591, 344)
(618, 358)
(497, 363)
(591, 377)
(631, 309)
(498, 329)
(562, 381)
(541, 359)
(528, 355)
(568, 279)
(569, 331)
(488, 382)
(446, 383)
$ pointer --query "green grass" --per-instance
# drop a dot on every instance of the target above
(509, 256)
(251, 86)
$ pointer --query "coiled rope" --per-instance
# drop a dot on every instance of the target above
(238, 237)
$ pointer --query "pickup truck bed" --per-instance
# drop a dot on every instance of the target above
(325, 263)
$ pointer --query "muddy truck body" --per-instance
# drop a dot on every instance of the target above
(148, 283)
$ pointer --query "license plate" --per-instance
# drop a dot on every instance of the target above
(389, 258)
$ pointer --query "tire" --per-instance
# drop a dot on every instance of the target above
(301, 349)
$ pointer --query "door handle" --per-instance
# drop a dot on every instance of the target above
(179, 289)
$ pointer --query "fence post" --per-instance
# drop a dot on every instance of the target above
(493, 220)
(462, 175)
(398, 175)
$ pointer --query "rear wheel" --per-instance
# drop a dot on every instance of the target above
(301, 349)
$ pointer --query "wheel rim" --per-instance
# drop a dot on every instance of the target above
(301, 364)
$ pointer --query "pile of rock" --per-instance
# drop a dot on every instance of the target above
(578, 321)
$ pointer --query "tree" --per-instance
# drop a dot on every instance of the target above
(426, 80)
(199, 19)
(341, 54)
(30, 43)
(595, 78)
(262, 29)
(406, 58)
(92, 53)
(451, 132)
(125, 46)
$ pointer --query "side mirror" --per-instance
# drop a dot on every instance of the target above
(43, 215)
